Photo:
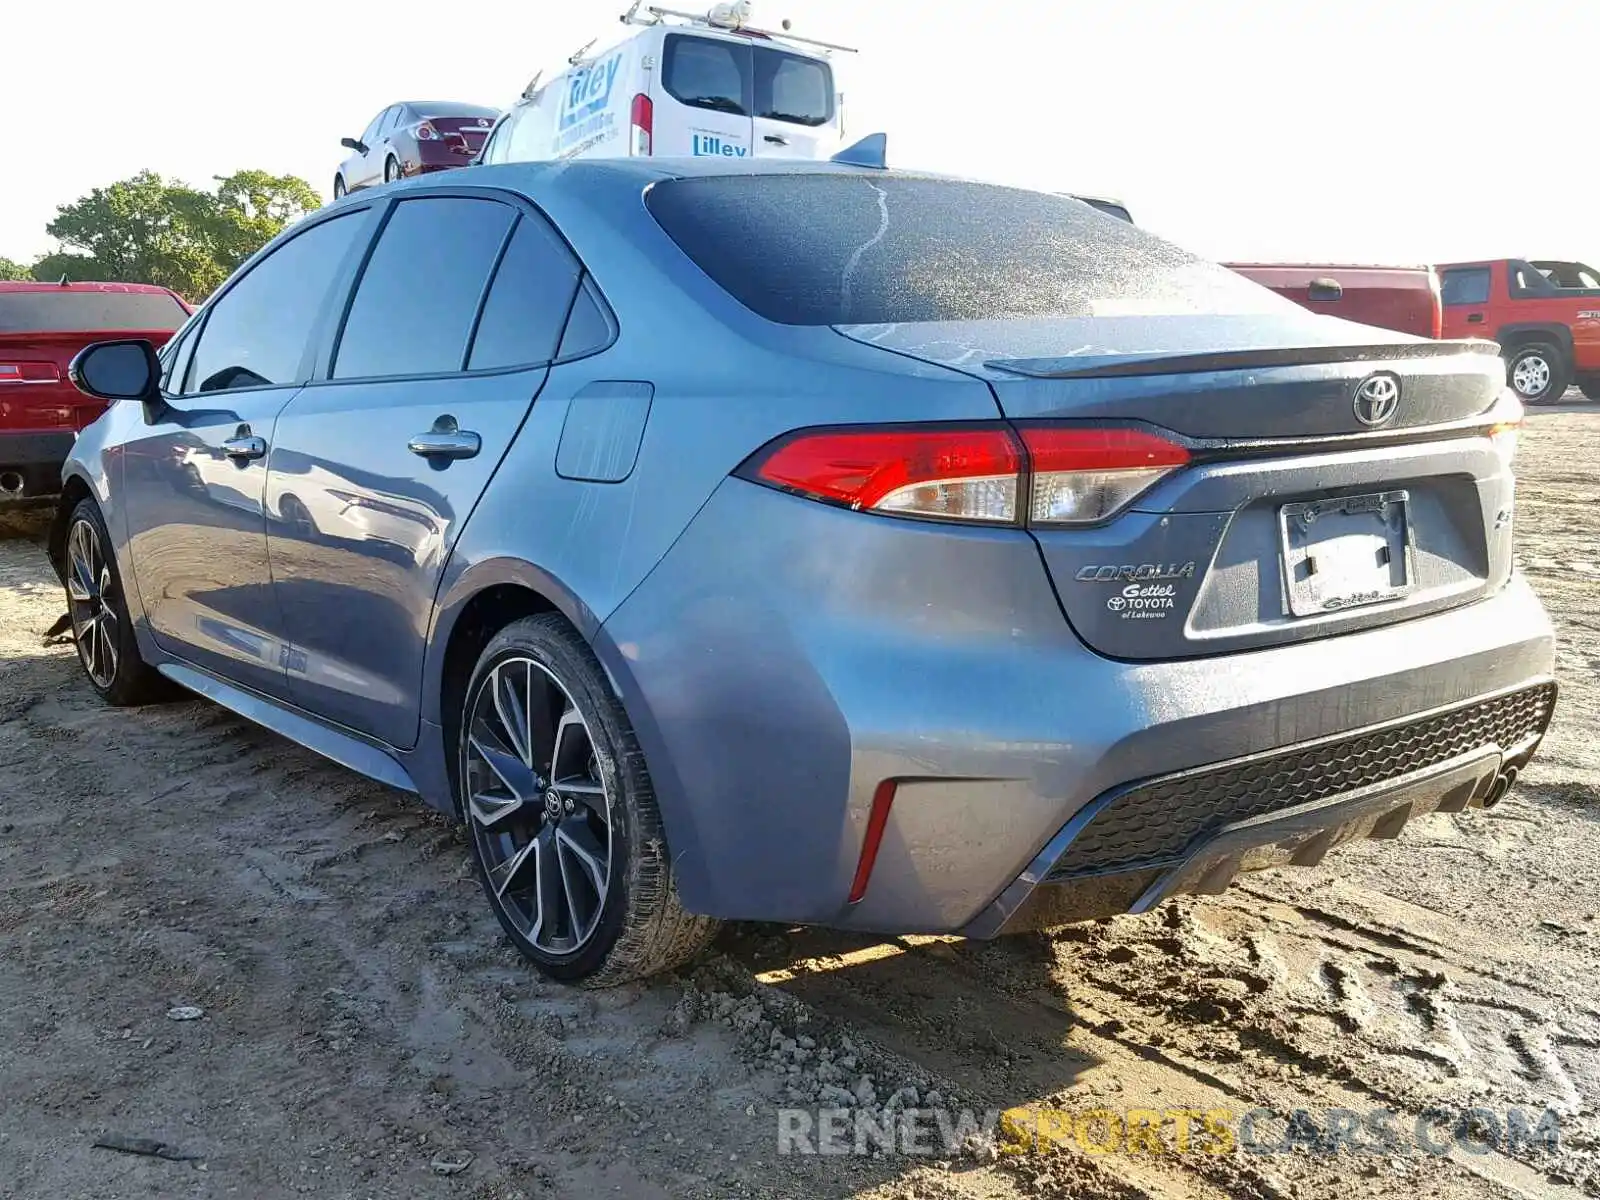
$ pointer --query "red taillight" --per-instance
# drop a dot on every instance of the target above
(642, 121)
(1085, 475)
(29, 372)
(425, 132)
(1064, 475)
(956, 474)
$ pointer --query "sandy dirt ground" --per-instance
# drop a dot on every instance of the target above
(365, 1032)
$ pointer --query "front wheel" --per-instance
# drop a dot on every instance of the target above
(1537, 373)
(566, 836)
(101, 627)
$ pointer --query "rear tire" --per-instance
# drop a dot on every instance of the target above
(1589, 385)
(101, 627)
(566, 837)
(338, 187)
(391, 169)
(1538, 373)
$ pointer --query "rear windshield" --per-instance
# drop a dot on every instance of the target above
(88, 312)
(839, 249)
(449, 108)
(748, 80)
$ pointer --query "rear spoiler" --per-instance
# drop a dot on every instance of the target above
(1107, 366)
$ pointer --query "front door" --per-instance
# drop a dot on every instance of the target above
(375, 468)
(195, 481)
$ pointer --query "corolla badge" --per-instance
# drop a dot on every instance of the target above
(1377, 398)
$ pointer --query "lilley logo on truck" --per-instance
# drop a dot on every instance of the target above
(716, 145)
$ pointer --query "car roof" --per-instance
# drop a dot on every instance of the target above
(82, 285)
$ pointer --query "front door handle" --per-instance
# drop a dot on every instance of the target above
(244, 447)
(446, 441)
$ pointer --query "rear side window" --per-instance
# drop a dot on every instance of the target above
(747, 80)
(1464, 285)
(414, 307)
(69, 311)
(828, 249)
(255, 334)
(528, 301)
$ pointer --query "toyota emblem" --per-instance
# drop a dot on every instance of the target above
(1377, 399)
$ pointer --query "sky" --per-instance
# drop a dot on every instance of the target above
(1382, 131)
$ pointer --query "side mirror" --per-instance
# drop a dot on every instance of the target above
(358, 146)
(121, 370)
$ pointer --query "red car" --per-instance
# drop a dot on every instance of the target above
(42, 325)
(413, 137)
(1549, 332)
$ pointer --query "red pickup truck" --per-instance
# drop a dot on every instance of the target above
(1545, 315)
(1402, 298)
(42, 325)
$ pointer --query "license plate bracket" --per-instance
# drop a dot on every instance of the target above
(1346, 552)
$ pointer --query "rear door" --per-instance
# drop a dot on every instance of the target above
(796, 113)
(1464, 292)
(705, 98)
(377, 464)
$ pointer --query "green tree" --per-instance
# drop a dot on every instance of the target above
(11, 270)
(153, 230)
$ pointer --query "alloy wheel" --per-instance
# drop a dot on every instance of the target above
(1531, 375)
(90, 591)
(538, 806)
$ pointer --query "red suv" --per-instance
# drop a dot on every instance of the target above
(42, 325)
(1549, 333)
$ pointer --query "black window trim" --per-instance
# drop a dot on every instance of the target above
(1514, 266)
(327, 344)
(339, 283)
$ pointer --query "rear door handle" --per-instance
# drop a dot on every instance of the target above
(445, 441)
(244, 447)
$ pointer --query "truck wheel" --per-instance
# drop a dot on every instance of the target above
(1537, 373)
(1590, 386)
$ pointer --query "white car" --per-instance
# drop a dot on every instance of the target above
(681, 86)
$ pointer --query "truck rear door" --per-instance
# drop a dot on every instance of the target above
(796, 109)
(704, 99)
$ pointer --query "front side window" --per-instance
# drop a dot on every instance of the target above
(256, 332)
(415, 305)
(1464, 285)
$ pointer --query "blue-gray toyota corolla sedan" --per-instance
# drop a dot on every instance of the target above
(808, 542)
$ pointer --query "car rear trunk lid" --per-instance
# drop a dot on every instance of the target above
(1315, 502)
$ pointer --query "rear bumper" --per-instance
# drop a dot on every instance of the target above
(34, 460)
(785, 658)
